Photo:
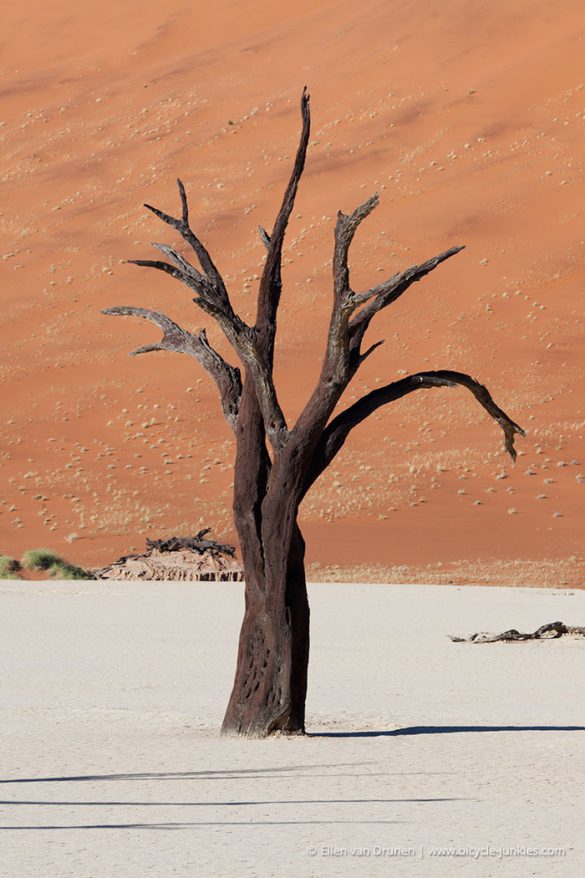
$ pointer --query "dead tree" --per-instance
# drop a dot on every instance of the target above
(276, 464)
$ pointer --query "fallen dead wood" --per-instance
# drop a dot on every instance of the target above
(198, 544)
(551, 631)
(184, 559)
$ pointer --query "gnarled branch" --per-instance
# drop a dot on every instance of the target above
(181, 225)
(212, 297)
(208, 284)
(384, 294)
(335, 434)
(226, 377)
(344, 355)
(335, 372)
(551, 631)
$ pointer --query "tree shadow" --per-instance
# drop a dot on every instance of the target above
(229, 803)
(441, 730)
(220, 774)
(195, 824)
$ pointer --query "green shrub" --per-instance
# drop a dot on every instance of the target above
(9, 567)
(40, 559)
(65, 570)
(53, 564)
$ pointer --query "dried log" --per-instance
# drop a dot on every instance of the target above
(180, 559)
(196, 544)
(550, 631)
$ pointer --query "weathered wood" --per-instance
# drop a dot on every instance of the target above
(550, 631)
(213, 299)
(334, 436)
(198, 544)
(270, 683)
(227, 378)
(178, 559)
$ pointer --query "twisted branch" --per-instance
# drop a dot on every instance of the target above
(226, 377)
(551, 631)
(181, 225)
(212, 297)
(335, 372)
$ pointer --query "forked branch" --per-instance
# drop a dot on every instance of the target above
(336, 371)
(345, 229)
(212, 297)
(181, 225)
(338, 430)
(389, 291)
(346, 332)
(226, 377)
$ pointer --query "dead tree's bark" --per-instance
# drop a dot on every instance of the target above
(270, 684)
(550, 631)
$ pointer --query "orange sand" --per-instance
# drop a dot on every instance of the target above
(468, 117)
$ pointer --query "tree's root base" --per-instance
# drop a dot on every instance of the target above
(260, 734)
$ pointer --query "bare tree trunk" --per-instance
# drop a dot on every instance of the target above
(270, 685)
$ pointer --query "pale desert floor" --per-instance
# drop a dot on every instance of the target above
(112, 764)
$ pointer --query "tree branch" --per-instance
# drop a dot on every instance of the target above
(212, 297)
(345, 229)
(335, 434)
(182, 226)
(550, 631)
(336, 371)
(271, 280)
(264, 236)
(226, 377)
(384, 294)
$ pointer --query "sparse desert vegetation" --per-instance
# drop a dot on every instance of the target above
(54, 565)
(9, 567)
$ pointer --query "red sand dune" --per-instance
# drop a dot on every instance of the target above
(468, 117)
